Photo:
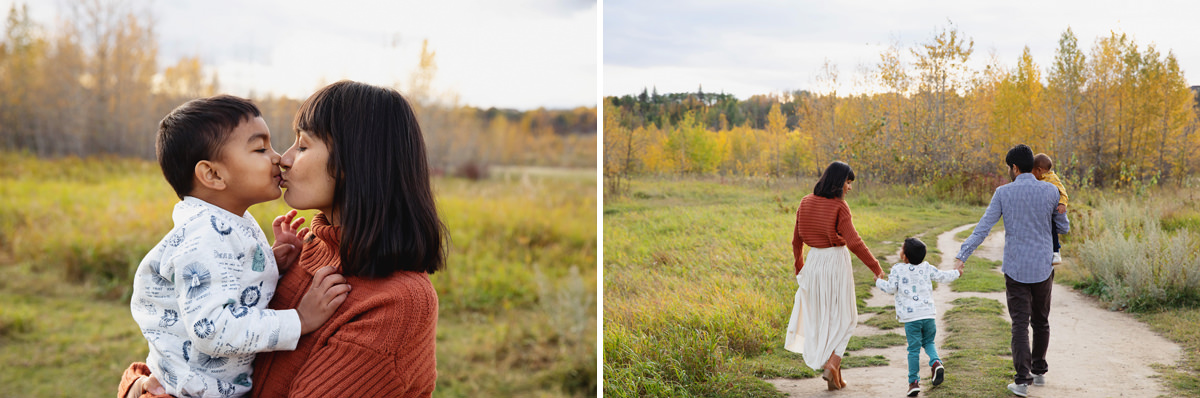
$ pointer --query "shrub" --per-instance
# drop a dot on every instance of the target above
(1135, 263)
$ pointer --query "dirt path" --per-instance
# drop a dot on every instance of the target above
(1093, 352)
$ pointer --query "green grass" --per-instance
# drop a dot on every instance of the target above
(980, 337)
(876, 341)
(885, 319)
(1179, 325)
(979, 275)
(1138, 255)
(702, 268)
(517, 299)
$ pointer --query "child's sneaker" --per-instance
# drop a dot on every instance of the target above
(1057, 259)
(939, 372)
(914, 388)
(1039, 380)
(1022, 390)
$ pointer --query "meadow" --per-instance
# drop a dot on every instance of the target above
(517, 299)
(698, 279)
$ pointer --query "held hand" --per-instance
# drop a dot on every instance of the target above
(145, 384)
(153, 386)
(958, 266)
(1061, 208)
(288, 240)
(326, 294)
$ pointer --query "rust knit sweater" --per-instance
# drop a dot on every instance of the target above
(379, 343)
(823, 222)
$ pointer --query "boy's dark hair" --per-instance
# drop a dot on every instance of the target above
(1022, 156)
(914, 250)
(382, 192)
(1042, 161)
(832, 180)
(195, 131)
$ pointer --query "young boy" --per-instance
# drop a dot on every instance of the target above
(911, 282)
(1043, 169)
(200, 296)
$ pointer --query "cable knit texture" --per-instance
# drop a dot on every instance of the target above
(379, 343)
(824, 222)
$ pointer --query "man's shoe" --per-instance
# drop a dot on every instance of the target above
(939, 372)
(1039, 380)
(1057, 259)
(1022, 390)
(914, 388)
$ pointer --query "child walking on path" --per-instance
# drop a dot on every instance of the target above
(1043, 169)
(911, 282)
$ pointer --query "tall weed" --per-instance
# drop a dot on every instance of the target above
(1134, 261)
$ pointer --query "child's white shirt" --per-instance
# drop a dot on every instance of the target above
(913, 286)
(200, 297)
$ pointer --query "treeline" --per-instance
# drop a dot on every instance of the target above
(91, 85)
(1117, 114)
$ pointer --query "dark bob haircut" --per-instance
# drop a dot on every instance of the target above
(914, 250)
(832, 180)
(1022, 156)
(382, 192)
(195, 131)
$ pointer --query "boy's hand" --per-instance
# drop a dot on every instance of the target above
(958, 266)
(288, 240)
(145, 384)
(153, 386)
(326, 294)
(1061, 208)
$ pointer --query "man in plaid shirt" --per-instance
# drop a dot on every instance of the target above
(1026, 205)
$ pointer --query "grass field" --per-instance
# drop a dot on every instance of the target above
(518, 297)
(1139, 255)
(698, 279)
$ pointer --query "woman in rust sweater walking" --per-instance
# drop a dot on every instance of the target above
(825, 313)
(359, 158)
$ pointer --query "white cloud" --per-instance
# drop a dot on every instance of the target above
(516, 54)
(757, 47)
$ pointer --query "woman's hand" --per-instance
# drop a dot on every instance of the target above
(146, 384)
(288, 240)
(326, 294)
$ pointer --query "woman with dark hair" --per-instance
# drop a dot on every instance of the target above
(359, 158)
(825, 313)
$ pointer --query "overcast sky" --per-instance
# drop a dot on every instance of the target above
(510, 54)
(762, 46)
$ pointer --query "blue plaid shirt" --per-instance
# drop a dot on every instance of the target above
(1027, 207)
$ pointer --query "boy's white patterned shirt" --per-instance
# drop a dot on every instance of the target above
(912, 284)
(200, 297)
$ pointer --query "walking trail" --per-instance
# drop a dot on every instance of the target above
(1093, 352)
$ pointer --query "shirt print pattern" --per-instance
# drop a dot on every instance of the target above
(912, 284)
(193, 297)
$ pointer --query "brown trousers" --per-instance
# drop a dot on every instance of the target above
(1029, 305)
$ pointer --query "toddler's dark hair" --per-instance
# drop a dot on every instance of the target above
(195, 131)
(914, 250)
(1042, 161)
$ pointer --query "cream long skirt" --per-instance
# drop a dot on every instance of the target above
(824, 314)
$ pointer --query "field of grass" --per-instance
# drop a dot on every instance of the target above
(1139, 254)
(698, 279)
(979, 337)
(518, 297)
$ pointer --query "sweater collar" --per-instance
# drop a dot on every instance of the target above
(321, 246)
(331, 234)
